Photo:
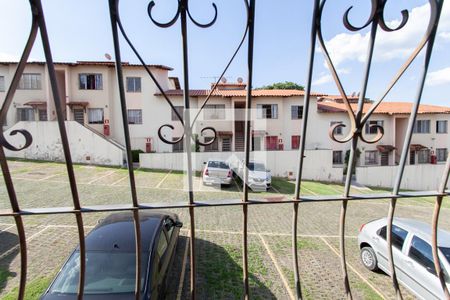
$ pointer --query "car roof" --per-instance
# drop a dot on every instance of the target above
(217, 160)
(116, 232)
(422, 230)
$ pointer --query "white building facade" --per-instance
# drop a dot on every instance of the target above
(89, 95)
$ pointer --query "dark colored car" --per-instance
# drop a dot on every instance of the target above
(110, 259)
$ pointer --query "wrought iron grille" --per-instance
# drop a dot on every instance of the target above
(358, 120)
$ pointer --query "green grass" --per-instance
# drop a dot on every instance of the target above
(34, 289)
(366, 290)
(4, 275)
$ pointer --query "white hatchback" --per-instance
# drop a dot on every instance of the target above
(413, 259)
(217, 172)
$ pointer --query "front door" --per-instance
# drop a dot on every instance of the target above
(385, 158)
(412, 157)
(78, 115)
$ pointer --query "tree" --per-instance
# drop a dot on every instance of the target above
(287, 85)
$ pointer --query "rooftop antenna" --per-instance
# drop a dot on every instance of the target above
(108, 56)
(240, 80)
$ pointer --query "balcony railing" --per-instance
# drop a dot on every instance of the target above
(183, 17)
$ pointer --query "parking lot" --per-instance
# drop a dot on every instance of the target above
(219, 254)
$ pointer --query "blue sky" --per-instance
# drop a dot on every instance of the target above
(80, 30)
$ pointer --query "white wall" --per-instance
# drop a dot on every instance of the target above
(317, 165)
(415, 177)
(47, 144)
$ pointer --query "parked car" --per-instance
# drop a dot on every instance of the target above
(217, 172)
(259, 177)
(412, 251)
(110, 259)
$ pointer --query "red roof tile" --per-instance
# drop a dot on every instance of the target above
(389, 108)
(239, 93)
(90, 63)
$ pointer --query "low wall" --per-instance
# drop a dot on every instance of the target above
(317, 166)
(415, 177)
(85, 145)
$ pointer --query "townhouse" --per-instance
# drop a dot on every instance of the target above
(89, 95)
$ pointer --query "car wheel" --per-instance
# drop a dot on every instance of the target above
(369, 258)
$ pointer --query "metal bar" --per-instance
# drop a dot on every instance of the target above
(216, 203)
(352, 158)
(183, 8)
(3, 162)
(306, 102)
(435, 222)
(248, 114)
(113, 11)
(37, 7)
(436, 7)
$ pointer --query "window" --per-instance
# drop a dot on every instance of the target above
(441, 126)
(30, 81)
(133, 84)
(398, 236)
(178, 147)
(424, 156)
(91, 82)
(271, 143)
(95, 115)
(370, 129)
(296, 112)
(371, 157)
(213, 147)
(337, 157)
(43, 115)
(295, 142)
(214, 111)
(267, 111)
(135, 116)
(420, 251)
(226, 144)
(338, 130)
(179, 109)
(422, 126)
(2, 83)
(25, 114)
(441, 154)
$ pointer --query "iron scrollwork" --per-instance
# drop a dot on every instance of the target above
(376, 18)
(182, 9)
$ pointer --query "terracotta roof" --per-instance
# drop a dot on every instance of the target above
(239, 93)
(90, 63)
(389, 108)
(36, 103)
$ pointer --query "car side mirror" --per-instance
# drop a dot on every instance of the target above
(204, 162)
(178, 224)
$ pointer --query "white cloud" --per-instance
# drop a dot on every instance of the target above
(439, 77)
(389, 45)
(323, 79)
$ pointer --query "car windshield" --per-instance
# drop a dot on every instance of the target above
(106, 273)
(218, 165)
(256, 167)
(446, 252)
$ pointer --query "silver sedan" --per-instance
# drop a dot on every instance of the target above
(413, 258)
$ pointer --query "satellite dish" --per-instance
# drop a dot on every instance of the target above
(108, 56)
(224, 80)
(240, 80)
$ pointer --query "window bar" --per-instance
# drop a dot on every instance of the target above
(113, 11)
(248, 114)
(4, 163)
(307, 97)
(36, 6)
(183, 7)
(435, 222)
(435, 7)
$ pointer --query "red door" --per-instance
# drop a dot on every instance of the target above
(271, 143)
